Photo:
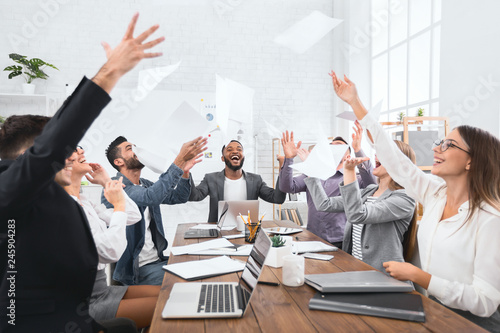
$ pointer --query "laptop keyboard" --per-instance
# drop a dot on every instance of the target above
(216, 298)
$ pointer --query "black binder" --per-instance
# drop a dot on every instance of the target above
(389, 305)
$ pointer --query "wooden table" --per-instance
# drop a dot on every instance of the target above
(285, 309)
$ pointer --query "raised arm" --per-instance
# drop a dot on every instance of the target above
(200, 192)
(272, 195)
(322, 202)
(366, 176)
(37, 167)
(416, 183)
(288, 183)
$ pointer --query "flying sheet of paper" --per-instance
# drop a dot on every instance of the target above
(347, 115)
(150, 78)
(234, 106)
(307, 32)
(273, 131)
(183, 125)
(152, 161)
(323, 160)
(214, 243)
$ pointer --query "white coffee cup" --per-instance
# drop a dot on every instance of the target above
(293, 270)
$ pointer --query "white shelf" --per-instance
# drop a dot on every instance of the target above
(50, 103)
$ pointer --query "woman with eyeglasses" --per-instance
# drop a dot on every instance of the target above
(459, 232)
(108, 227)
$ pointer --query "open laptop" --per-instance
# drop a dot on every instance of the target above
(238, 207)
(223, 299)
(209, 233)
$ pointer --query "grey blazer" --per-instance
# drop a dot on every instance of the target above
(213, 185)
(384, 221)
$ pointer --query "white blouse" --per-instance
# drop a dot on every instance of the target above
(109, 228)
(462, 257)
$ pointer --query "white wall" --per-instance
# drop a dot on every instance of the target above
(470, 71)
(233, 38)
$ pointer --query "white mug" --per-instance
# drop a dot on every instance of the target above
(293, 270)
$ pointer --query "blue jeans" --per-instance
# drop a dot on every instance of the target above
(152, 273)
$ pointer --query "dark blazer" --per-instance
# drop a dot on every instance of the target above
(213, 185)
(54, 258)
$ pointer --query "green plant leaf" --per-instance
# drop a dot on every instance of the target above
(13, 68)
(14, 74)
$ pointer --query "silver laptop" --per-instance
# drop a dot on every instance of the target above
(238, 207)
(209, 233)
(219, 300)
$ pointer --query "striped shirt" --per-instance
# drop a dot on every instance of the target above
(357, 230)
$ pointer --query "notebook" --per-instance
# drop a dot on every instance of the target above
(209, 233)
(389, 305)
(238, 207)
(219, 300)
(357, 281)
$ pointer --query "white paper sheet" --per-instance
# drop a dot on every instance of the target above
(241, 251)
(323, 160)
(218, 242)
(307, 32)
(150, 78)
(152, 161)
(347, 115)
(182, 126)
(375, 111)
(205, 226)
(198, 269)
(312, 246)
(273, 131)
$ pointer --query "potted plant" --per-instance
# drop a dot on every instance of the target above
(281, 246)
(401, 116)
(420, 113)
(29, 69)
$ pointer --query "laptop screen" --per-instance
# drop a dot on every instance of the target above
(253, 268)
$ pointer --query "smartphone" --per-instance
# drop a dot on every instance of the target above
(317, 256)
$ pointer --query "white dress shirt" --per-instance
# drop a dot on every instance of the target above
(462, 257)
(109, 228)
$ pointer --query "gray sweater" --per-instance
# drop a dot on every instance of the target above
(384, 221)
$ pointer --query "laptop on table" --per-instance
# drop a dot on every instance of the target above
(209, 233)
(237, 207)
(219, 299)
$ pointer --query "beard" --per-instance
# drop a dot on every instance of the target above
(234, 167)
(133, 164)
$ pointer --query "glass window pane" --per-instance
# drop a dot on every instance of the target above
(379, 81)
(420, 15)
(398, 22)
(436, 58)
(434, 112)
(419, 68)
(378, 26)
(436, 7)
(397, 76)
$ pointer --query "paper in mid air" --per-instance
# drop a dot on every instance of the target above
(150, 78)
(374, 112)
(323, 160)
(307, 32)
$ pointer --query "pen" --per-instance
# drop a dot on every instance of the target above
(275, 284)
(243, 219)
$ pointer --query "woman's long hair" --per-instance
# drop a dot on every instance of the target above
(483, 179)
(410, 236)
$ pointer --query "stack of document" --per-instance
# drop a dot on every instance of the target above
(365, 292)
(312, 246)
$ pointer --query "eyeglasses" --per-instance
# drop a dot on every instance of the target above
(445, 144)
(78, 147)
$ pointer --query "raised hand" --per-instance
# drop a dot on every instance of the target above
(303, 153)
(192, 162)
(289, 147)
(346, 90)
(190, 150)
(357, 136)
(350, 163)
(126, 55)
(113, 192)
(98, 176)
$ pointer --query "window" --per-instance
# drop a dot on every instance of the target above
(405, 56)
